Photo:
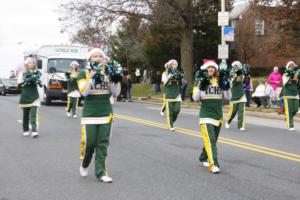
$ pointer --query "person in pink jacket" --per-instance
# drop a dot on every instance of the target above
(275, 79)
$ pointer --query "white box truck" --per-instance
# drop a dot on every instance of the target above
(54, 61)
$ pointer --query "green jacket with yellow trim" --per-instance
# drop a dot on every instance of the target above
(291, 88)
(237, 90)
(29, 83)
(97, 103)
(72, 84)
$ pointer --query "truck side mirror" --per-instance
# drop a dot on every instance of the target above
(39, 64)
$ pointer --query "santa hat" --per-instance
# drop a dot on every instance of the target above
(288, 64)
(74, 63)
(209, 63)
(29, 60)
(237, 63)
(170, 62)
(92, 51)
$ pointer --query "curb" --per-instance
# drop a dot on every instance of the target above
(266, 115)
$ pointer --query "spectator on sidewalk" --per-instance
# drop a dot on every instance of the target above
(259, 96)
(248, 88)
(137, 75)
(155, 82)
(183, 88)
(275, 78)
(145, 76)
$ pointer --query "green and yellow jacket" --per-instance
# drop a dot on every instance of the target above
(171, 88)
(29, 83)
(291, 88)
(211, 110)
(72, 86)
(97, 108)
(237, 90)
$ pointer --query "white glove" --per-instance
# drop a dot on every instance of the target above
(170, 76)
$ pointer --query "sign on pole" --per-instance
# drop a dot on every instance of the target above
(228, 33)
(223, 51)
(223, 18)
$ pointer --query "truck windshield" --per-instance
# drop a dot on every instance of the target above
(62, 65)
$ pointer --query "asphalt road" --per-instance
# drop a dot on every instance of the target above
(146, 160)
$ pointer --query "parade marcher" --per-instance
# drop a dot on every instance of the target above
(163, 107)
(211, 86)
(172, 81)
(238, 98)
(73, 91)
(98, 84)
(290, 94)
(30, 100)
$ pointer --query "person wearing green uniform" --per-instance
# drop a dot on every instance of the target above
(172, 81)
(211, 87)
(73, 91)
(98, 84)
(290, 94)
(163, 106)
(30, 100)
(238, 98)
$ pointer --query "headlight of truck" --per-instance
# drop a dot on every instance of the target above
(55, 84)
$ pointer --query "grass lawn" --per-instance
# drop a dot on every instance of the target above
(145, 89)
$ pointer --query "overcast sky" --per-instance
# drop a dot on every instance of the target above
(30, 22)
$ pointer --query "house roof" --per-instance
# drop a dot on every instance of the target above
(238, 10)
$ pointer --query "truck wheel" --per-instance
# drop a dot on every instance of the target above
(47, 99)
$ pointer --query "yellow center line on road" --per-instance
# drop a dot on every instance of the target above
(236, 143)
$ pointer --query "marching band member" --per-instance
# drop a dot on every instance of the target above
(172, 81)
(30, 100)
(73, 91)
(290, 94)
(210, 88)
(98, 84)
(238, 98)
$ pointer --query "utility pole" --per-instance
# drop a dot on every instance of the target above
(222, 28)
(223, 20)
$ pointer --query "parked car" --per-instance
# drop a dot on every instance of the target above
(9, 86)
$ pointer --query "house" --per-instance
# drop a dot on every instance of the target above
(258, 40)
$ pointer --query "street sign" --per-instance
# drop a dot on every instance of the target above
(223, 51)
(223, 18)
(228, 33)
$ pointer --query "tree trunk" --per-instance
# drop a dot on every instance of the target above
(187, 54)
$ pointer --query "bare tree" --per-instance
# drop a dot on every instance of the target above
(99, 18)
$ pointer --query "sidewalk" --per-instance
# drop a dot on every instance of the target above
(252, 111)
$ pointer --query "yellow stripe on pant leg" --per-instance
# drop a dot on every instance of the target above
(230, 112)
(37, 118)
(105, 168)
(207, 145)
(68, 103)
(286, 110)
(167, 114)
(83, 142)
(244, 112)
(77, 101)
(164, 103)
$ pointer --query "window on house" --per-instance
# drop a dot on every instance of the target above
(259, 27)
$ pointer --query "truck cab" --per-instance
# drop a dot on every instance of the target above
(53, 62)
